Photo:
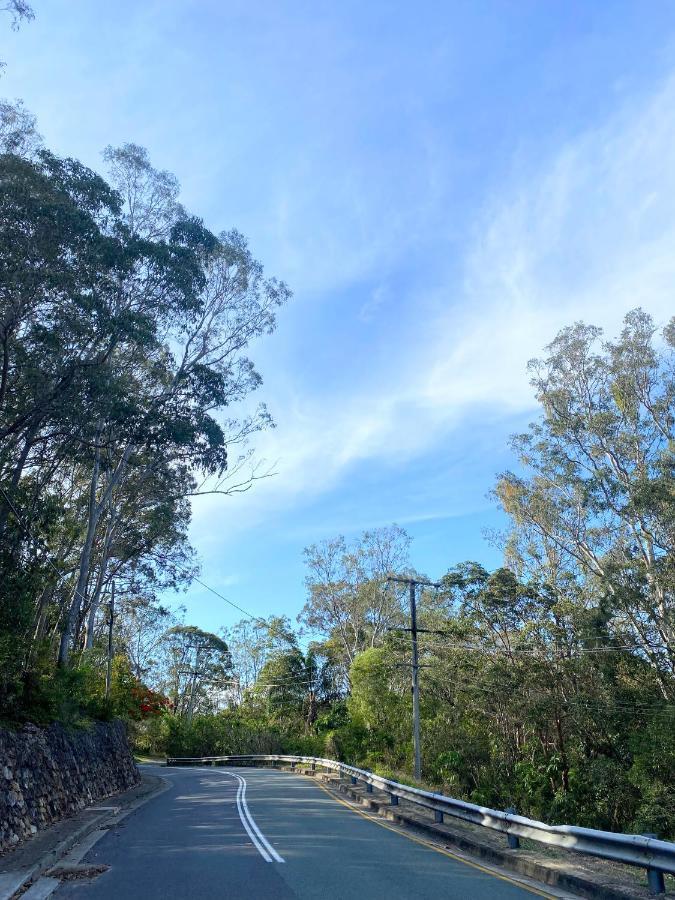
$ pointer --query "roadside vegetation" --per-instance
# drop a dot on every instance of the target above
(547, 684)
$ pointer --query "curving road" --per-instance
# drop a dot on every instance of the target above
(252, 833)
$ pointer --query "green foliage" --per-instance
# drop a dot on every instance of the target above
(377, 707)
(652, 774)
(125, 324)
(216, 735)
(77, 695)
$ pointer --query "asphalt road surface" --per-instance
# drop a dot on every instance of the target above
(252, 833)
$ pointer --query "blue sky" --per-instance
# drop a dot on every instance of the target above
(442, 184)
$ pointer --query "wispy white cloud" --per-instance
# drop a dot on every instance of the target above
(589, 233)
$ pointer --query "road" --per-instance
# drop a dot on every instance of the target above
(252, 833)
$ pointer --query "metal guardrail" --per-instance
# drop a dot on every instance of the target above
(646, 851)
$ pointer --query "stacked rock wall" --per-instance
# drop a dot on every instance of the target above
(49, 773)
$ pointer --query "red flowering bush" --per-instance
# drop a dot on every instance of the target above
(131, 698)
(150, 703)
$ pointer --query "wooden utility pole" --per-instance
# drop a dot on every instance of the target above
(412, 585)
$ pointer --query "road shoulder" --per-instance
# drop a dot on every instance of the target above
(30, 860)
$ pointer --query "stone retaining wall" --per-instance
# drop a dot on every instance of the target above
(47, 774)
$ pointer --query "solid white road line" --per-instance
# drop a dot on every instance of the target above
(265, 849)
(258, 839)
(251, 833)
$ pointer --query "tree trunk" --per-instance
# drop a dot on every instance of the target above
(85, 561)
(95, 512)
(40, 620)
(100, 580)
(16, 477)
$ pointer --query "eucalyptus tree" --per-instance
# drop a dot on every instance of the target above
(140, 627)
(124, 325)
(58, 273)
(198, 668)
(597, 495)
(144, 543)
(214, 301)
(18, 130)
(293, 685)
(58, 278)
(348, 596)
(252, 642)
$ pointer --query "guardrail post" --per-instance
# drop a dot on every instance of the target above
(513, 840)
(655, 879)
(292, 767)
(393, 799)
(438, 816)
(369, 788)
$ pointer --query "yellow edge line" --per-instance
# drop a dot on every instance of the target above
(377, 820)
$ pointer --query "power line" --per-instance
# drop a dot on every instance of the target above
(527, 651)
(231, 603)
(606, 705)
(82, 597)
(235, 683)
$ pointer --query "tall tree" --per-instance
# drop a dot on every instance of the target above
(124, 325)
(199, 662)
(252, 642)
(599, 499)
(348, 597)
